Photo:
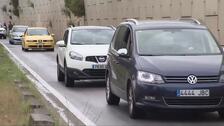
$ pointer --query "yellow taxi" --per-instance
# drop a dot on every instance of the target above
(37, 38)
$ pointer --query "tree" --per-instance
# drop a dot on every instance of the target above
(77, 7)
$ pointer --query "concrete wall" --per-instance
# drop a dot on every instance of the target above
(45, 13)
(112, 12)
(4, 17)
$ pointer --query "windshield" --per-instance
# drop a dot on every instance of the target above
(176, 42)
(19, 29)
(37, 32)
(92, 36)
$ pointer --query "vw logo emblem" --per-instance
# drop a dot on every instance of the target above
(192, 79)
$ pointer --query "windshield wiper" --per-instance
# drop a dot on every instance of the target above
(101, 43)
(77, 43)
(151, 55)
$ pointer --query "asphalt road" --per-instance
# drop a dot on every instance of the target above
(89, 98)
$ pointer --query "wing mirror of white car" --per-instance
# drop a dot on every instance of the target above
(123, 52)
(61, 43)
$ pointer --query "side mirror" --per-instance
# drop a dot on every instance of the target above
(52, 35)
(123, 52)
(61, 43)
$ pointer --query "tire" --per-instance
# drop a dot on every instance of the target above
(10, 42)
(51, 50)
(110, 97)
(134, 111)
(69, 82)
(60, 74)
(25, 50)
(221, 114)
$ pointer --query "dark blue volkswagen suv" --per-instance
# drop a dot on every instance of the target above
(165, 65)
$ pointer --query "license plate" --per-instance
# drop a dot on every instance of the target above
(99, 66)
(193, 93)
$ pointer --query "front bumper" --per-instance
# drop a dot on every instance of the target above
(164, 96)
(36, 45)
(15, 40)
(86, 74)
(2, 34)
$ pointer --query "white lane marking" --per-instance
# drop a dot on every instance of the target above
(60, 97)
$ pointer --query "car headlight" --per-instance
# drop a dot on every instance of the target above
(75, 56)
(221, 80)
(149, 78)
(30, 40)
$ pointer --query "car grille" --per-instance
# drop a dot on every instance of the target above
(192, 101)
(200, 79)
(36, 46)
(95, 72)
(96, 59)
(31, 41)
(17, 39)
(47, 40)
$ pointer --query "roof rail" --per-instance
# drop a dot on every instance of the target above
(191, 20)
(111, 26)
(132, 20)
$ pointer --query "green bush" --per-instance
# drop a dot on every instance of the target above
(30, 3)
(4, 8)
(77, 7)
(15, 4)
(66, 12)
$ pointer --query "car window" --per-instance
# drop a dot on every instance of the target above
(122, 38)
(25, 33)
(65, 38)
(114, 38)
(176, 42)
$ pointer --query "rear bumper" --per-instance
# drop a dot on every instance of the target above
(86, 74)
(164, 96)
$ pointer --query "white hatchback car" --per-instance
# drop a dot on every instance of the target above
(82, 54)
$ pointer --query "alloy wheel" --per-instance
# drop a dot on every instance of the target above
(130, 100)
(108, 88)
